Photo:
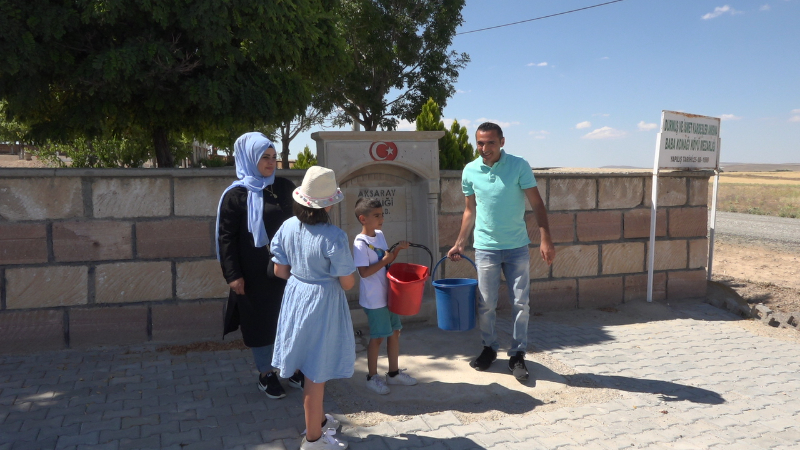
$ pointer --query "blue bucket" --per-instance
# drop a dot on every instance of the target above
(455, 301)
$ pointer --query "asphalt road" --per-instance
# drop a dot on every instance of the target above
(779, 230)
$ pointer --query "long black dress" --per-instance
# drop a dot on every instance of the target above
(256, 311)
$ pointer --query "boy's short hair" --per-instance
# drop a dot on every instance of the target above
(364, 205)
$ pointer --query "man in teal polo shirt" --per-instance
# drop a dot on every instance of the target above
(495, 186)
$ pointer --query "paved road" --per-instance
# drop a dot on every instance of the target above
(689, 376)
(750, 226)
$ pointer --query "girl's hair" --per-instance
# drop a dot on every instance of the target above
(310, 216)
(364, 205)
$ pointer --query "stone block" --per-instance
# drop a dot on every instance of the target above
(200, 279)
(46, 287)
(449, 227)
(452, 197)
(599, 226)
(572, 193)
(617, 193)
(636, 223)
(45, 198)
(187, 321)
(671, 191)
(23, 243)
(575, 261)
(686, 284)
(698, 191)
(556, 295)
(600, 292)
(200, 196)
(688, 222)
(698, 253)
(92, 241)
(133, 282)
(179, 238)
(541, 186)
(131, 197)
(562, 227)
(107, 326)
(636, 287)
(31, 331)
(626, 257)
(670, 255)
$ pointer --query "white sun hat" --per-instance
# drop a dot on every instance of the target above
(319, 189)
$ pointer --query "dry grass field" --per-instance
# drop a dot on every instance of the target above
(766, 193)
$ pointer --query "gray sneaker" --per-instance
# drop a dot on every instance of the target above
(516, 364)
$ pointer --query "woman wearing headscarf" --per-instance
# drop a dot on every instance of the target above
(250, 212)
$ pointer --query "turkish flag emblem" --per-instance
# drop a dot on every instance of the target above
(383, 151)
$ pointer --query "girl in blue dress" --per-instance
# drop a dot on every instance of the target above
(315, 332)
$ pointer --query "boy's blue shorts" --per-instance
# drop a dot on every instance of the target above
(382, 322)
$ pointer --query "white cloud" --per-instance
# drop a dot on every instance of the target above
(794, 119)
(459, 91)
(502, 124)
(541, 64)
(646, 126)
(764, 7)
(720, 10)
(584, 124)
(405, 125)
(542, 134)
(601, 115)
(605, 133)
(605, 57)
(729, 117)
(449, 122)
(796, 111)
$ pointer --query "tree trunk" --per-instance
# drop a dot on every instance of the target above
(164, 157)
(285, 152)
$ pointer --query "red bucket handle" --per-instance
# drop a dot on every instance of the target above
(417, 246)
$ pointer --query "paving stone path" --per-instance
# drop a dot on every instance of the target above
(694, 380)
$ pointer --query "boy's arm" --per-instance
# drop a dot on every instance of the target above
(371, 269)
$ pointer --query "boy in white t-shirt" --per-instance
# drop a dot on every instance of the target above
(371, 255)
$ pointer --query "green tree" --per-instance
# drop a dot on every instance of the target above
(455, 151)
(305, 159)
(92, 68)
(288, 130)
(397, 47)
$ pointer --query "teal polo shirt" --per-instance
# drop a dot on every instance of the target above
(500, 201)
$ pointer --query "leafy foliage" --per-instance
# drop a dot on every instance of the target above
(396, 47)
(100, 152)
(455, 151)
(91, 68)
(305, 159)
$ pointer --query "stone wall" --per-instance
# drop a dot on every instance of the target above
(91, 257)
(600, 226)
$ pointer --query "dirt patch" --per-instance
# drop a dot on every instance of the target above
(762, 273)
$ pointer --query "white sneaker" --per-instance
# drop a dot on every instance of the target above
(401, 378)
(331, 424)
(326, 442)
(377, 385)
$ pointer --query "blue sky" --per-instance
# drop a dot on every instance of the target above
(586, 89)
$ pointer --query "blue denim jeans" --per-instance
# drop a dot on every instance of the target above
(263, 357)
(515, 265)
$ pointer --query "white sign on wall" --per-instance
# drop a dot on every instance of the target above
(687, 141)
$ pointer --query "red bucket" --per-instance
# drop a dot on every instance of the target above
(406, 283)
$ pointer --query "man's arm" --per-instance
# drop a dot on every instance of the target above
(467, 223)
(546, 245)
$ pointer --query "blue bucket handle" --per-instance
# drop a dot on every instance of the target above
(440, 261)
